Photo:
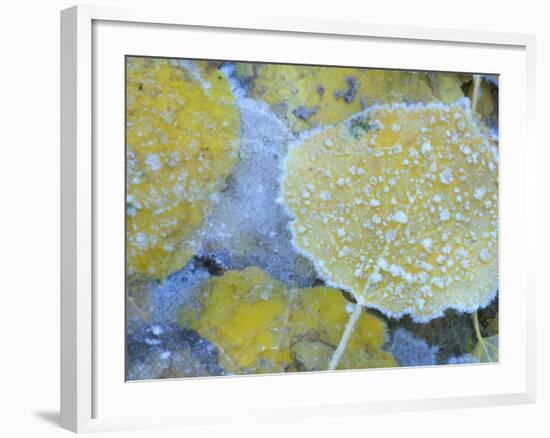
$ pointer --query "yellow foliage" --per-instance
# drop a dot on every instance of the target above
(492, 326)
(138, 301)
(244, 69)
(486, 349)
(312, 355)
(245, 315)
(319, 315)
(449, 86)
(307, 96)
(398, 205)
(485, 105)
(260, 326)
(182, 142)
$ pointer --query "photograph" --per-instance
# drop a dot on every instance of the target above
(289, 218)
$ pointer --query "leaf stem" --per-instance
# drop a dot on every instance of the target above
(337, 355)
(475, 318)
(478, 334)
(475, 92)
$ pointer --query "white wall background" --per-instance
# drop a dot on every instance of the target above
(29, 216)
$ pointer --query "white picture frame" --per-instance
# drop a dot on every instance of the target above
(93, 396)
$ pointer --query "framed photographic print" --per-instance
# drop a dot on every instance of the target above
(257, 209)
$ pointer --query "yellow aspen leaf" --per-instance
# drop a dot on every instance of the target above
(398, 206)
(244, 314)
(182, 142)
(319, 315)
(308, 96)
(261, 326)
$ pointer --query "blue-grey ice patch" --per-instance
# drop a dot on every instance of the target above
(177, 289)
(248, 227)
(168, 351)
(464, 359)
(410, 351)
(492, 79)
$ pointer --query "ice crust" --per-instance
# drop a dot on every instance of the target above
(248, 227)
